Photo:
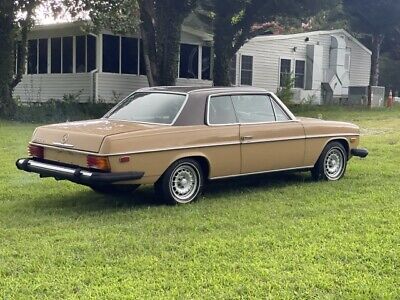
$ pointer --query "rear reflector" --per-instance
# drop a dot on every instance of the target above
(36, 151)
(124, 159)
(98, 162)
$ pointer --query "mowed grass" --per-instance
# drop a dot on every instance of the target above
(276, 236)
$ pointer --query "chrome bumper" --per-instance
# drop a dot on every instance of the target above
(77, 175)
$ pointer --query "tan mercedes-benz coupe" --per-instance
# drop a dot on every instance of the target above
(177, 138)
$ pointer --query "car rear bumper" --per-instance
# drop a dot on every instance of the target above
(363, 153)
(74, 174)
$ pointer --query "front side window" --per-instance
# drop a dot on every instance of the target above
(299, 74)
(156, 108)
(279, 113)
(221, 111)
(253, 108)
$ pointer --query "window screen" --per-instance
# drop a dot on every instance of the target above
(206, 63)
(142, 64)
(221, 111)
(56, 55)
(253, 108)
(247, 70)
(299, 74)
(67, 54)
(80, 50)
(129, 55)
(91, 53)
(285, 72)
(189, 61)
(32, 56)
(110, 53)
(43, 56)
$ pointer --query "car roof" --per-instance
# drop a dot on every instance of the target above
(202, 89)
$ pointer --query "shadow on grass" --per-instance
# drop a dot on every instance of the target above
(87, 201)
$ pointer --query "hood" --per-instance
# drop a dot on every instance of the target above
(85, 135)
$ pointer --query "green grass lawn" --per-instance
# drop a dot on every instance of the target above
(275, 236)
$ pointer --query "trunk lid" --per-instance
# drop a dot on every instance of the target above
(85, 135)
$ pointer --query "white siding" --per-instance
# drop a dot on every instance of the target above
(43, 87)
(360, 65)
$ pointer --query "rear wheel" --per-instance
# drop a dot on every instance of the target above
(109, 189)
(181, 183)
(332, 163)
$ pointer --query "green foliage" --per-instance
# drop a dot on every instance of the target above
(285, 92)
(54, 111)
(264, 237)
(390, 75)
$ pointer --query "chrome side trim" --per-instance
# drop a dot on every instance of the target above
(343, 136)
(275, 140)
(262, 172)
(317, 136)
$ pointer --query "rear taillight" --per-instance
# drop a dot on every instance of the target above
(98, 162)
(36, 151)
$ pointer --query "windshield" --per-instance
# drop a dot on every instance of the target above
(157, 108)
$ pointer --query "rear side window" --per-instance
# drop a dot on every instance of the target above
(221, 111)
(253, 108)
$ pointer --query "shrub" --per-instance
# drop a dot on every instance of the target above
(285, 92)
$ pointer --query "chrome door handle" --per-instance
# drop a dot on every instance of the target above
(246, 138)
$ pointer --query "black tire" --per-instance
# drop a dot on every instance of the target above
(108, 189)
(332, 163)
(181, 183)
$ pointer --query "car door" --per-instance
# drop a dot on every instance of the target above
(223, 130)
(270, 138)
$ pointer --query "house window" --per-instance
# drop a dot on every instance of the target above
(43, 56)
(299, 74)
(67, 54)
(206, 63)
(80, 50)
(56, 55)
(232, 71)
(129, 55)
(247, 70)
(189, 61)
(17, 55)
(142, 64)
(32, 56)
(91, 53)
(285, 72)
(111, 53)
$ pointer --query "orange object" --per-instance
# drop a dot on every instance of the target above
(98, 162)
(390, 100)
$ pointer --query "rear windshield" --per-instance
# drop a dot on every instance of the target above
(156, 108)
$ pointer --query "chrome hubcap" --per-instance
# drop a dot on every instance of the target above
(184, 183)
(334, 163)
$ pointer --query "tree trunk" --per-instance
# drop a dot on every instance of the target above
(377, 40)
(168, 36)
(223, 50)
(6, 57)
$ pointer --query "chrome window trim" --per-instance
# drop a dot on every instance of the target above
(333, 137)
(273, 97)
(106, 116)
(261, 172)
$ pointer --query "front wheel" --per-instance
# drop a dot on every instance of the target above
(181, 183)
(332, 163)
